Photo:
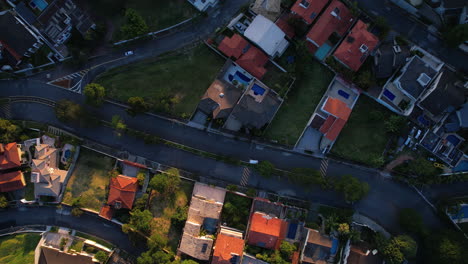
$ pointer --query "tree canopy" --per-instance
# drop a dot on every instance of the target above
(68, 111)
(353, 189)
(265, 168)
(137, 105)
(457, 35)
(9, 132)
(139, 220)
(410, 220)
(94, 93)
(166, 184)
(134, 25)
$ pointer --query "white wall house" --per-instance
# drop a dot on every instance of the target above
(202, 5)
(267, 36)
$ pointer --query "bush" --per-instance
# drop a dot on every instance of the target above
(94, 94)
(101, 256)
(265, 168)
(353, 189)
(76, 212)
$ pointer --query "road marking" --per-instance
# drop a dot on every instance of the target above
(324, 167)
(245, 176)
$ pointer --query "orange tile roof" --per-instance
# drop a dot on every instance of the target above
(327, 124)
(106, 212)
(10, 157)
(309, 13)
(123, 190)
(284, 25)
(11, 181)
(337, 108)
(335, 130)
(233, 46)
(254, 61)
(349, 52)
(266, 230)
(327, 23)
(226, 246)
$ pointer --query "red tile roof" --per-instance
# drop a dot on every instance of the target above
(123, 190)
(328, 23)
(254, 61)
(226, 246)
(337, 108)
(309, 13)
(328, 123)
(134, 164)
(283, 24)
(106, 212)
(335, 129)
(9, 157)
(11, 181)
(266, 231)
(350, 53)
(233, 46)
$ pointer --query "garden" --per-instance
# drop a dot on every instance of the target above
(18, 249)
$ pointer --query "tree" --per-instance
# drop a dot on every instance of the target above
(457, 35)
(287, 249)
(118, 124)
(393, 254)
(364, 79)
(155, 257)
(3, 202)
(140, 203)
(399, 248)
(68, 111)
(407, 245)
(94, 93)
(157, 242)
(265, 168)
(445, 246)
(9, 132)
(410, 220)
(343, 229)
(179, 217)
(76, 212)
(100, 256)
(113, 173)
(166, 184)
(137, 105)
(134, 25)
(139, 220)
(394, 123)
(353, 189)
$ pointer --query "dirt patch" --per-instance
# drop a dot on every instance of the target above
(399, 160)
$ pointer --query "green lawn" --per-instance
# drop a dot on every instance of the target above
(364, 137)
(173, 84)
(164, 209)
(18, 249)
(300, 104)
(89, 180)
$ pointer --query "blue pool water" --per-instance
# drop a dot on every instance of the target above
(343, 93)
(67, 154)
(292, 231)
(453, 139)
(322, 52)
(462, 167)
(423, 120)
(463, 213)
(240, 77)
(334, 247)
(258, 90)
(40, 4)
(389, 94)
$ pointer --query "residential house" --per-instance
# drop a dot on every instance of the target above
(10, 156)
(455, 10)
(229, 247)
(284, 23)
(389, 57)
(255, 109)
(17, 41)
(360, 254)
(122, 191)
(203, 5)
(330, 27)
(246, 56)
(202, 221)
(318, 248)
(248, 259)
(49, 255)
(462, 116)
(266, 231)
(404, 89)
(308, 10)
(270, 9)
(267, 35)
(47, 177)
(11, 181)
(219, 99)
(356, 47)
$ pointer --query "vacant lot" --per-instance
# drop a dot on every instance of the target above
(236, 210)
(89, 180)
(164, 209)
(174, 84)
(18, 249)
(300, 104)
(364, 137)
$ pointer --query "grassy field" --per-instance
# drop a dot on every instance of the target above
(364, 138)
(163, 209)
(18, 249)
(174, 83)
(89, 180)
(300, 104)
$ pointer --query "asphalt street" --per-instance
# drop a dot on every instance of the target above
(88, 223)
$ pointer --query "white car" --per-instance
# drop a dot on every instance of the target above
(128, 53)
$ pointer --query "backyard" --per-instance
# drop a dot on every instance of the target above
(89, 180)
(18, 249)
(164, 210)
(236, 211)
(173, 84)
(301, 101)
(364, 136)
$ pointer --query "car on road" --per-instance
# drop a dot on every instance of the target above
(128, 53)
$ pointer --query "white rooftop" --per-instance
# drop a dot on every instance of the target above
(267, 36)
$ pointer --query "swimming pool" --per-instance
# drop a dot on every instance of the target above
(258, 90)
(67, 154)
(40, 4)
(322, 52)
(389, 95)
(240, 77)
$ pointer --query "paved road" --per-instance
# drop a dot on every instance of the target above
(402, 22)
(382, 203)
(88, 223)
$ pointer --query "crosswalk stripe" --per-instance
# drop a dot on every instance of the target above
(324, 167)
(245, 176)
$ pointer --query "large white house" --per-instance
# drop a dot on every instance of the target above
(267, 36)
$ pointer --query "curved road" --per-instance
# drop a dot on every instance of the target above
(88, 223)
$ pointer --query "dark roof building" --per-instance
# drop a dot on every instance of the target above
(318, 248)
(308, 10)
(388, 58)
(54, 256)
(416, 77)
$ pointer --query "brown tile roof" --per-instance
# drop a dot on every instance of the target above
(233, 46)
(337, 108)
(311, 11)
(254, 61)
(122, 190)
(229, 245)
(219, 99)
(106, 212)
(11, 181)
(266, 231)
(9, 156)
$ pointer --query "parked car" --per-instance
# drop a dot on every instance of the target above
(128, 53)
(253, 161)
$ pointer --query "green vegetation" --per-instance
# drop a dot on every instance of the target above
(71, 112)
(3, 201)
(365, 136)
(457, 35)
(101, 256)
(399, 248)
(40, 57)
(265, 168)
(353, 189)
(166, 184)
(236, 210)
(18, 249)
(172, 84)
(281, 256)
(29, 189)
(95, 239)
(137, 105)
(424, 169)
(77, 245)
(94, 94)
(88, 183)
(411, 221)
(118, 124)
(8, 131)
(134, 25)
(303, 97)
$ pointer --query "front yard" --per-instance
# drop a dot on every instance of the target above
(89, 180)
(301, 101)
(364, 137)
(18, 249)
(173, 84)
